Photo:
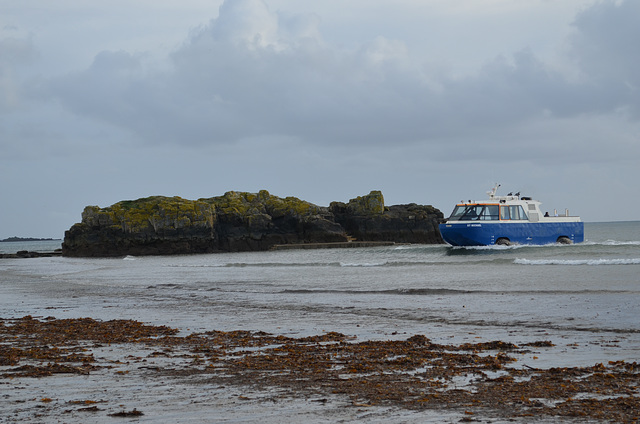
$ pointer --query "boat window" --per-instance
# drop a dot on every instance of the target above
(458, 212)
(475, 213)
(517, 212)
(489, 213)
(504, 212)
(468, 212)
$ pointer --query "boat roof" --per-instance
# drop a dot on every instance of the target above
(494, 199)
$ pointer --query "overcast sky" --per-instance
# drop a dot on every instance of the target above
(430, 101)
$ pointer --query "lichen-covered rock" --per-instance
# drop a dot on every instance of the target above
(150, 216)
(371, 204)
(150, 226)
(233, 222)
(239, 221)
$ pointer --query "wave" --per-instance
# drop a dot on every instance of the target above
(400, 264)
(451, 292)
(382, 263)
(400, 291)
(418, 246)
(254, 265)
(620, 243)
(363, 264)
(285, 265)
(610, 243)
(631, 261)
(545, 246)
(499, 247)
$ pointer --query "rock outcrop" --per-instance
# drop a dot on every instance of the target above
(30, 254)
(366, 218)
(240, 221)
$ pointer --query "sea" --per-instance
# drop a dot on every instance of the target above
(585, 297)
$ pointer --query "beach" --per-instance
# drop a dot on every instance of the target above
(97, 370)
(396, 333)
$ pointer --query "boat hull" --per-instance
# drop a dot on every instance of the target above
(488, 233)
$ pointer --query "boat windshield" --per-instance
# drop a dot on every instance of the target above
(475, 213)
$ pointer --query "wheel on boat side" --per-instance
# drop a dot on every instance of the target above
(503, 241)
(564, 240)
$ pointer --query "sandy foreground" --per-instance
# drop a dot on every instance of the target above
(86, 370)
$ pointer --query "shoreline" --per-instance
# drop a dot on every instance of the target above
(332, 371)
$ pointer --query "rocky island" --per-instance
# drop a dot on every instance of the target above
(239, 221)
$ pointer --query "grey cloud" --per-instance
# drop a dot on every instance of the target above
(15, 54)
(510, 91)
(605, 46)
(251, 72)
(248, 21)
(606, 40)
(16, 51)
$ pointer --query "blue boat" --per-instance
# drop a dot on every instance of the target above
(507, 220)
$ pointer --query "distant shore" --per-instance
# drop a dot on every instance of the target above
(22, 239)
(30, 247)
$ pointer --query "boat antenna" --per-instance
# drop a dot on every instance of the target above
(492, 192)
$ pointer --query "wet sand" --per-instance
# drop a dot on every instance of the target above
(79, 370)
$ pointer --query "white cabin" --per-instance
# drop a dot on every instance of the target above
(509, 208)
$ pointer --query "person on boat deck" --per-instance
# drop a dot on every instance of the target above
(546, 214)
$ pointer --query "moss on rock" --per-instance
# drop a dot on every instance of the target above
(246, 204)
(240, 221)
(154, 213)
(371, 204)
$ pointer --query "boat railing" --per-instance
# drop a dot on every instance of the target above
(566, 213)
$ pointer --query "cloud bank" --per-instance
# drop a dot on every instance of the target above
(251, 72)
(260, 93)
